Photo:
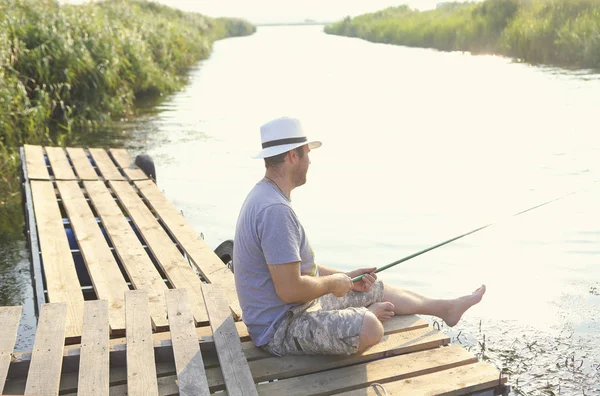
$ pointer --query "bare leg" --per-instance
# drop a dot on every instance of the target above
(371, 332)
(407, 302)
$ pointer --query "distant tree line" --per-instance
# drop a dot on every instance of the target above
(555, 32)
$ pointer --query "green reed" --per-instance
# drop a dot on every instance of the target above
(557, 32)
(68, 69)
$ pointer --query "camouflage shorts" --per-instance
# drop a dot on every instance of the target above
(326, 326)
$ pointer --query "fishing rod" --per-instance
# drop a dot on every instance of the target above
(358, 278)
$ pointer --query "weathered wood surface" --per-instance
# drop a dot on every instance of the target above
(457, 381)
(393, 344)
(191, 377)
(36, 165)
(106, 166)
(61, 168)
(133, 256)
(398, 340)
(163, 347)
(406, 344)
(234, 366)
(176, 268)
(62, 282)
(124, 161)
(269, 367)
(9, 318)
(377, 371)
(207, 262)
(104, 271)
(46, 361)
(94, 361)
(141, 372)
(81, 163)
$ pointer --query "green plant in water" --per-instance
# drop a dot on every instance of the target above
(559, 32)
(66, 70)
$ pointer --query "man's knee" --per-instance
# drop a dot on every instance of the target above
(371, 332)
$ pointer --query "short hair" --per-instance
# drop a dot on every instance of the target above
(276, 160)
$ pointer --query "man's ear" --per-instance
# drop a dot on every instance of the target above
(293, 156)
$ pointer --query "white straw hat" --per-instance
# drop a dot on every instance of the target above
(281, 135)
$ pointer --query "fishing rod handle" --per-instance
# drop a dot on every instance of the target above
(359, 277)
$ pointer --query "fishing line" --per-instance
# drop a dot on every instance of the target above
(358, 278)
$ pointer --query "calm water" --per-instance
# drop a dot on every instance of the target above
(419, 146)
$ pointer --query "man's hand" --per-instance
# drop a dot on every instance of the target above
(340, 284)
(369, 277)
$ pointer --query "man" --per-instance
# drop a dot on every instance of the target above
(291, 304)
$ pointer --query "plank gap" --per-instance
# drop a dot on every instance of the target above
(105, 164)
(82, 165)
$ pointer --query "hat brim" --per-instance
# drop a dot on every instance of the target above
(276, 150)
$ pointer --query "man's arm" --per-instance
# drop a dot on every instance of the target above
(292, 287)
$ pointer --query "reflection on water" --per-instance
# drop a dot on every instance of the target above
(16, 288)
(419, 146)
(14, 281)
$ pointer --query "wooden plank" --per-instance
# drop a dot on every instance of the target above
(103, 162)
(104, 271)
(234, 366)
(141, 372)
(207, 262)
(378, 371)
(397, 324)
(37, 277)
(140, 269)
(62, 282)
(174, 265)
(453, 382)
(94, 361)
(129, 167)
(163, 351)
(46, 361)
(9, 317)
(60, 164)
(394, 344)
(162, 347)
(290, 366)
(36, 165)
(82, 164)
(191, 378)
(163, 340)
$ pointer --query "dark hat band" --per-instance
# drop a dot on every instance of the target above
(281, 142)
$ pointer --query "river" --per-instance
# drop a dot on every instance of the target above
(419, 146)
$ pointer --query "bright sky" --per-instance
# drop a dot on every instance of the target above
(267, 11)
(292, 10)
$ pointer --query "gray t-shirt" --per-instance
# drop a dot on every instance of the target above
(267, 232)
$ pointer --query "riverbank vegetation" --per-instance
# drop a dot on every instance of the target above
(554, 32)
(66, 70)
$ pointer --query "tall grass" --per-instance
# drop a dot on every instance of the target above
(557, 32)
(68, 69)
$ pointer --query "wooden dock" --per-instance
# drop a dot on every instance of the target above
(122, 229)
(132, 301)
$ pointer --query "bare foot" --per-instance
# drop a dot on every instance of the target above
(383, 310)
(460, 305)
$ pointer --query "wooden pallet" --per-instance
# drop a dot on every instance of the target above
(413, 358)
(128, 235)
(161, 320)
(48, 371)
